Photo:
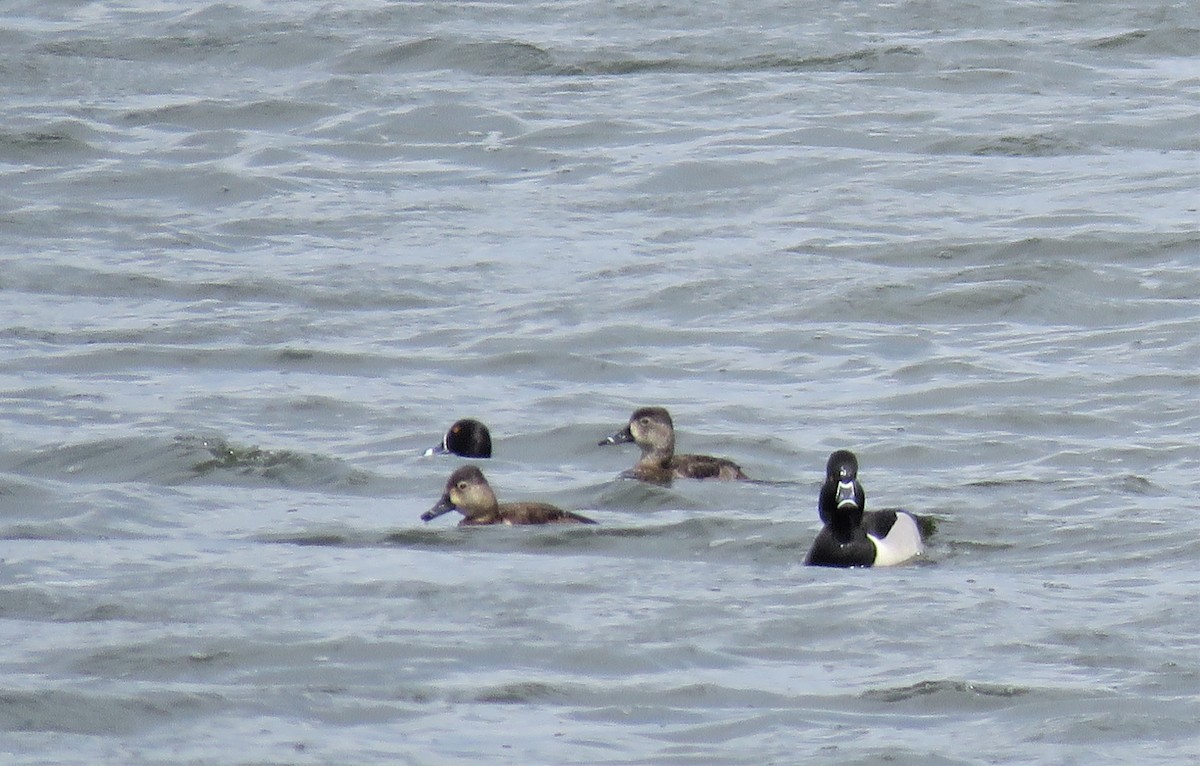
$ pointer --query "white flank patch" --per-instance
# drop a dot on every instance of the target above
(903, 541)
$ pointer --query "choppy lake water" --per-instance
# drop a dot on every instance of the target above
(256, 257)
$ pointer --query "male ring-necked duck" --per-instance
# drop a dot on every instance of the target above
(853, 536)
(467, 437)
(469, 493)
(652, 430)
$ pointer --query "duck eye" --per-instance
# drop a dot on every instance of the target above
(645, 421)
(462, 486)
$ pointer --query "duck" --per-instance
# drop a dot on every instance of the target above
(653, 431)
(468, 492)
(852, 535)
(466, 438)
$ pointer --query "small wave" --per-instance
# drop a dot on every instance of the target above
(682, 697)
(285, 467)
(1176, 41)
(523, 692)
(715, 538)
(1033, 145)
(218, 115)
(632, 495)
(333, 290)
(508, 58)
(97, 714)
(349, 538)
(186, 49)
(304, 539)
(941, 688)
(183, 459)
(1002, 482)
(485, 58)
(237, 37)
(891, 59)
(1136, 485)
(57, 142)
(33, 603)
(109, 460)
(976, 546)
(494, 539)
(40, 532)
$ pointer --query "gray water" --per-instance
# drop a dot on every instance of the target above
(254, 258)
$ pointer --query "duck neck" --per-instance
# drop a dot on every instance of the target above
(658, 455)
(483, 505)
(846, 524)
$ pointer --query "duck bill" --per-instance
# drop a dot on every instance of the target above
(438, 450)
(443, 506)
(620, 437)
(847, 495)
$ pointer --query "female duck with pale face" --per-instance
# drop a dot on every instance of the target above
(651, 429)
(468, 492)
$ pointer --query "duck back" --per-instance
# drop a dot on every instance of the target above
(707, 467)
(532, 513)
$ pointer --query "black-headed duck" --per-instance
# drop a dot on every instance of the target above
(468, 492)
(853, 536)
(652, 430)
(467, 437)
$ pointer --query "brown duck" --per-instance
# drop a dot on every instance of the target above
(652, 430)
(468, 492)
